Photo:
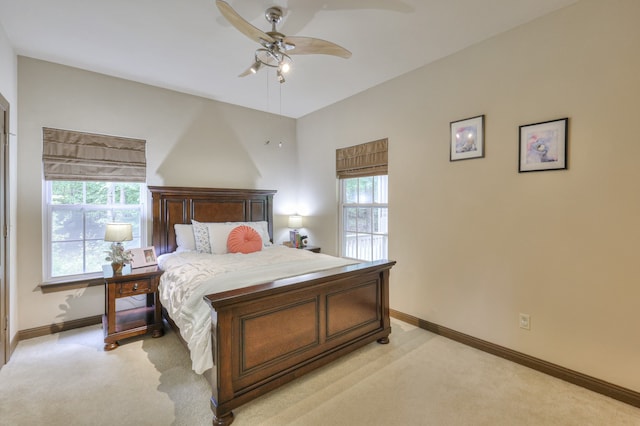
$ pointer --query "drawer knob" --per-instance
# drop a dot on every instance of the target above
(135, 286)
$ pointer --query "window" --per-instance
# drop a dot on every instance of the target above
(75, 222)
(91, 179)
(364, 200)
(365, 214)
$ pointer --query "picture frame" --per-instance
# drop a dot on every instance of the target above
(293, 238)
(143, 257)
(467, 138)
(543, 146)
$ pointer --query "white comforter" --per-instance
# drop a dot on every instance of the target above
(189, 276)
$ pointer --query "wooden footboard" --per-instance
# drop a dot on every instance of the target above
(266, 335)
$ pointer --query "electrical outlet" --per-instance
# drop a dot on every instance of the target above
(525, 321)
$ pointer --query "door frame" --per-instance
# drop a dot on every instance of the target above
(5, 342)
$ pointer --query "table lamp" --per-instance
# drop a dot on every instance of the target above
(295, 221)
(116, 233)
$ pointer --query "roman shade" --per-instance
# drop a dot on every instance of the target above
(367, 159)
(71, 155)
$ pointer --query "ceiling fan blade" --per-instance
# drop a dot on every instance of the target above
(309, 45)
(241, 24)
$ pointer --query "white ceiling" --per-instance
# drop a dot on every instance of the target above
(187, 46)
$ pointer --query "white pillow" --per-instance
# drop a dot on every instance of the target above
(184, 237)
(201, 237)
(218, 235)
(261, 227)
(195, 237)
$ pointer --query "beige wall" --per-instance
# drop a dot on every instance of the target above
(9, 89)
(476, 242)
(191, 141)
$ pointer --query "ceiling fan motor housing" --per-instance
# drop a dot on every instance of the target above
(273, 15)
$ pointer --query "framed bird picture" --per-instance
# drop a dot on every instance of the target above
(467, 138)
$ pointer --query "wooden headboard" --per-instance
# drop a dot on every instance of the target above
(173, 205)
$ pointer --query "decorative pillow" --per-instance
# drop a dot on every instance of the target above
(261, 227)
(244, 239)
(184, 237)
(201, 237)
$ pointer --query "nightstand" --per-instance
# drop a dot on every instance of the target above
(126, 323)
(314, 249)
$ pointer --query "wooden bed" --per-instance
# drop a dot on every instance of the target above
(266, 335)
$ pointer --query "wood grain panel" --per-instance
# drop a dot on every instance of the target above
(258, 211)
(175, 211)
(270, 336)
(353, 308)
(219, 211)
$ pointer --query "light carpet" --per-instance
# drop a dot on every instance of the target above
(418, 379)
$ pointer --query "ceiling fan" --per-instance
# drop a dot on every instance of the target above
(276, 47)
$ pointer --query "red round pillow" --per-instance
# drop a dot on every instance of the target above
(244, 239)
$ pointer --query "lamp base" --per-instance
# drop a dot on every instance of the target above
(117, 268)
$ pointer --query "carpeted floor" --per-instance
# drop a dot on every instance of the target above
(418, 379)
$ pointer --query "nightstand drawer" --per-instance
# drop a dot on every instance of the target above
(134, 287)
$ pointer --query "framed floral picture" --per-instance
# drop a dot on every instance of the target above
(467, 138)
(143, 257)
(543, 146)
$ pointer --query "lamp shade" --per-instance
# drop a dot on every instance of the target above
(118, 232)
(295, 221)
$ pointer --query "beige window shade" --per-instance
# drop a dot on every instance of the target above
(367, 159)
(69, 155)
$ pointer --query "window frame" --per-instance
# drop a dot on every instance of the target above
(47, 217)
(342, 234)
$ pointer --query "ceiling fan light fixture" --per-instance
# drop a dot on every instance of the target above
(255, 67)
(268, 57)
(284, 64)
(280, 76)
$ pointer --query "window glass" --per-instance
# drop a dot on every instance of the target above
(350, 191)
(364, 246)
(66, 225)
(350, 218)
(64, 192)
(77, 213)
(364, 219)
(67, 257)
(380, 190)
(365, 190)
(364, 227)
(379, 220)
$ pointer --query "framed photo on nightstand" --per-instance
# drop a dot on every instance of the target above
(143, 257)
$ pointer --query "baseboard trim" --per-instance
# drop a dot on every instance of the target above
(58, 327)
(600, 386)
(13, 344)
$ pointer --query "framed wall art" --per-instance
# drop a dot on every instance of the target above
(467, 138)
(143, 257)
(543, 146)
